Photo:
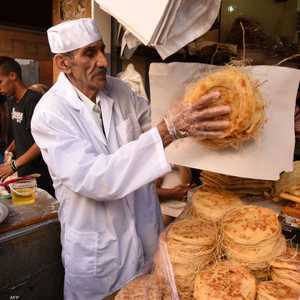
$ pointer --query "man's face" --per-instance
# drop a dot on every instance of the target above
(7, 83)
(88, 67)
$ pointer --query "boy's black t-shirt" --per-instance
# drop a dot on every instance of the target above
(21, 113)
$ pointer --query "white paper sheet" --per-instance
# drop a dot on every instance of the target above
(193, 19)
(164, 24)
(139, 17)
(264, 158)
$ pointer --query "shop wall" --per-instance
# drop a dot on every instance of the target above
(27, 44)
(64, 10)
(278, 17)
(73, 9)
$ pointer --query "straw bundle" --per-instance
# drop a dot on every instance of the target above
(286, 269)
(191, 244)
(288, 186)
(241, 186)
(271, 290)
(211, 204)
(225, 281)
(238, 91)
(143, 287)
(252, 236)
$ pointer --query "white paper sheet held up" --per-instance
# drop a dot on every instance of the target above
(264, 158)
(139, 17)
(164, 24)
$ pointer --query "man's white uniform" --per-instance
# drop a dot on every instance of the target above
(109, 213)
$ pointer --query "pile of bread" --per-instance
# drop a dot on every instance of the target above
(243, 187)
(225, 250)
(288, 186)
(286, 269)
(255, 261)
(211, 204)
(228, 281)
(191, 246)
(252, 237)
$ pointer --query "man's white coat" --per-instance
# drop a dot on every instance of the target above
(109, 213)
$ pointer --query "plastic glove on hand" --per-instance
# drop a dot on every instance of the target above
(199, 120)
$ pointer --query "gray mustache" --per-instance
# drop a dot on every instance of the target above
(101, 71)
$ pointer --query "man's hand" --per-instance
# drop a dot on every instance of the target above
(177, 193)
(5, 171)
(180, 191)
(197, 120)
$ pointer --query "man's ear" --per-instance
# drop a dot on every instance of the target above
(63, 63)
(12, 76)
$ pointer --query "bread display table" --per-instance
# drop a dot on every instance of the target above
(30, 251)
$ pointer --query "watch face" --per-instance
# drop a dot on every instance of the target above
(72, 9)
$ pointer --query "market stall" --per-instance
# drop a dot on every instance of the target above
(30, 249)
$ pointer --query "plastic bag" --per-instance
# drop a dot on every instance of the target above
(163, 270)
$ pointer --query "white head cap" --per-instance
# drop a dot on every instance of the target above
(71, 35)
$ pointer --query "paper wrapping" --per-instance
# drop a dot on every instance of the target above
(267, 156)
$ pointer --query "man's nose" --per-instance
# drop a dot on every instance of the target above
(102, 60)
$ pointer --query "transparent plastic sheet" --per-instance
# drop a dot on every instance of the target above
(163, 269)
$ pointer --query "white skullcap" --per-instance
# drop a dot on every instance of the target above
(72, 35)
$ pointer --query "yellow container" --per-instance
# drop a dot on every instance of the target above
(23, 192)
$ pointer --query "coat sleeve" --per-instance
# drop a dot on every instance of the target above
(143, 112)
(75, 163)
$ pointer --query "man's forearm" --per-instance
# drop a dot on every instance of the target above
(11, 147)
(32, 153)
(164, 133)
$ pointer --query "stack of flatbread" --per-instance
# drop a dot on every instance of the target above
(191, 244)
(211, 204)
(271, 290)
(288, 186)
(239, 92)
(143, 287)
(225, 281)
(286, 269)
(241, 186)
(252, 236)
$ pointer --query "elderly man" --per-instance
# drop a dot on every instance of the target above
(95, 136)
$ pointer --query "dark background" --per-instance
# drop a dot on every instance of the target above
(28, 14)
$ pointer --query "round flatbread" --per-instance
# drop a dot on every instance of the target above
(212, 204)
(193, 231)
(251, 225)
(271, 290)
(143, 287)
(225, 281)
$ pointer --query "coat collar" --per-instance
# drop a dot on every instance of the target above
(65, 89)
